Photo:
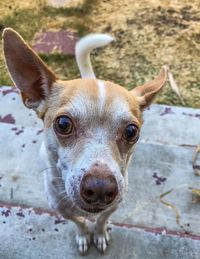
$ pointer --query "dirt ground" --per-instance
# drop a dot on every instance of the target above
(148, 34)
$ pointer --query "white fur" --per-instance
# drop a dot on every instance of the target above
(84, 48)
(94, 149)
(102, 94)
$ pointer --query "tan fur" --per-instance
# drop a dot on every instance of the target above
(114, 90)
(99, 112)
(63, 91)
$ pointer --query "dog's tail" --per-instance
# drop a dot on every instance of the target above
(84, 48)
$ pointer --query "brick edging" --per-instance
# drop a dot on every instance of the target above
(156, 231)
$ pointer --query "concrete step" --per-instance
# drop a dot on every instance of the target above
(39, 234)
(13, 111)
(162, 124)
(170, 125)
(162, 162)
(154, 170)
(20, 177)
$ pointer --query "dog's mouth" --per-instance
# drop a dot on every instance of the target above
(95, 208)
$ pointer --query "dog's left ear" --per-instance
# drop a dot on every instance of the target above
(147, 92)
(28, 72)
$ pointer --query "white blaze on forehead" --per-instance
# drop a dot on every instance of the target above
(86, 103)
(102, 94)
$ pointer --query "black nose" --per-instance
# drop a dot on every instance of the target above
(101, 190)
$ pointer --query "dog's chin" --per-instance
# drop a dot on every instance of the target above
(93, 209)
(96, 208)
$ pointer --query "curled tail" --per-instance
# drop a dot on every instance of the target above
(84, 48)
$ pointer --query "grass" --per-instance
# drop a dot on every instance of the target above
(148, 34)
(29, 17)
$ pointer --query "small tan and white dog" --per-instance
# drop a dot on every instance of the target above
(90, 129)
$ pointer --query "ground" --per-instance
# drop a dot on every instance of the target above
(159, 217)
(148, 34)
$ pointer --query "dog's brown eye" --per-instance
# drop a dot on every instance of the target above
(63, 125)
(131, 133)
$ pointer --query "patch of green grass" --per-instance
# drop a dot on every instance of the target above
(147, 37)
(29, 21)
(64, 66)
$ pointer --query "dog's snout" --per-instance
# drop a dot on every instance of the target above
(97, 189)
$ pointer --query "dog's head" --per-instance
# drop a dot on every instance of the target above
(90, 125)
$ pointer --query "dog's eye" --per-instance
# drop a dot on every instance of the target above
(131, 133)
(63, 125)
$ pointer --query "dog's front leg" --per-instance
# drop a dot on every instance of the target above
(67, 209)
(101, 236)
(83, 236)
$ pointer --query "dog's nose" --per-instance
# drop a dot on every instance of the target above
(98, 189)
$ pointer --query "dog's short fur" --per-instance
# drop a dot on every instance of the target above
(99, 113)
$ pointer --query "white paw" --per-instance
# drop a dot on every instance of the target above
(83, 243)
(101, 241)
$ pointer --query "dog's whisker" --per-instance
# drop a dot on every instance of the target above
(58, 180)
(60, 187)
(63, 192)
(59, 184)
(73, 205)
(63, 205)
(65, 197)
(58, 177)
(43, 170)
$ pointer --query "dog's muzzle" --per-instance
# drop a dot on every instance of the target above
(98, 189)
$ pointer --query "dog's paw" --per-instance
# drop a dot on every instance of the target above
(83, 243)
(101, 240)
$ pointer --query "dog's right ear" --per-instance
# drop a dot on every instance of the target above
(28, 72)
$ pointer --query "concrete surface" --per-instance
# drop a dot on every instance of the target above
(39, 235)
(22, 179)
(162, 161)
(12, 108)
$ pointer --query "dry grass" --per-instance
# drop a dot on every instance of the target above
(148, 34)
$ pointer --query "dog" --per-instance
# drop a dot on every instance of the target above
(91, 127)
